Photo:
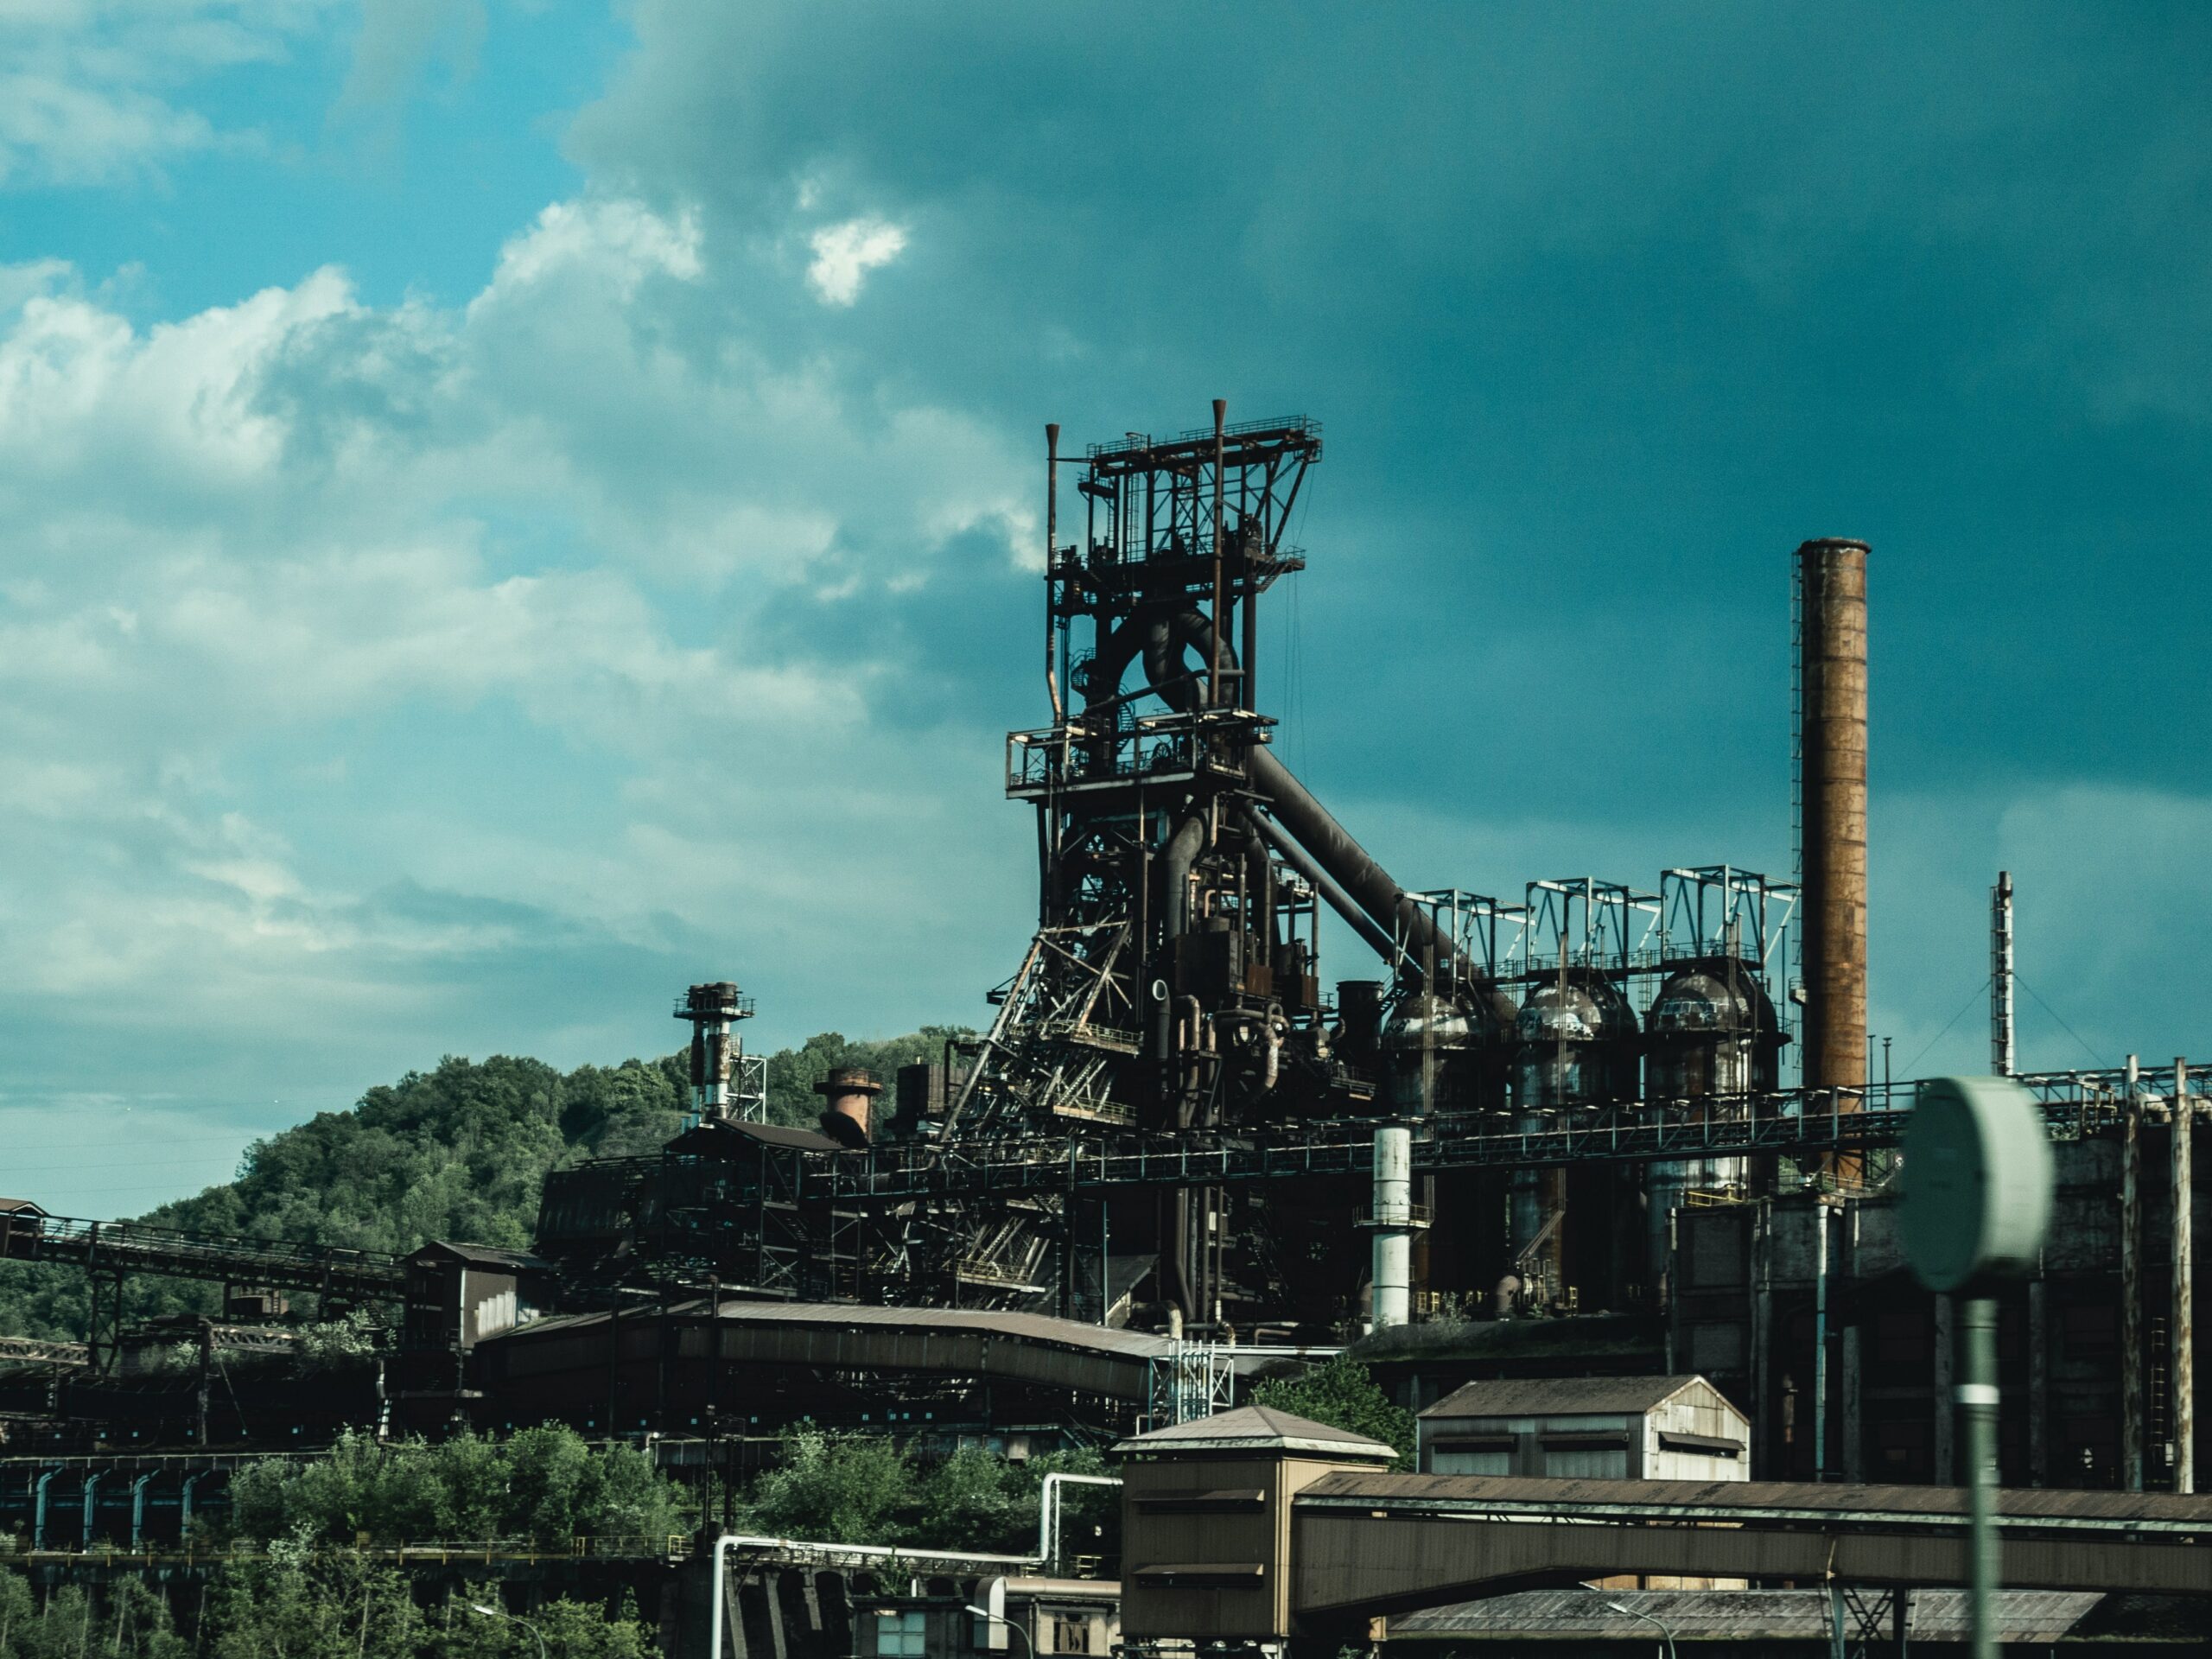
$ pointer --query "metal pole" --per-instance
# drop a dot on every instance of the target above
(2184, 1363)
(1977, 1414)
(1647, 1618)
(1820, 1342)
(2130, 1286)
(2000, 975)
(1051, 535)
(1220, 622)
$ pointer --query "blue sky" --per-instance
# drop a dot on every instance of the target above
(513, 508)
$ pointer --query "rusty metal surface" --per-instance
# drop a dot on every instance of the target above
(1728, 1616)
(1833, 720)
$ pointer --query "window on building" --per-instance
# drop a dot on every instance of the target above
(1067, 1633)
(899, 1635)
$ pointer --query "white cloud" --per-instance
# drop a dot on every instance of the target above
(293, 584)
(94, 92)
(844, 254)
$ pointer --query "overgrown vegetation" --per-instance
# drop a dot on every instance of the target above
(459, 1152)
(335, 1606)
(316, 1591)
(1342, 1394)
(544, 1484)
(847, 1487)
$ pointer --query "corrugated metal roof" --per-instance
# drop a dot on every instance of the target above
(711, 1137)
(2053, 1505)
(1557, 1396)
(1734, 1615)
(18, 1206)
(1031, 1327)
(1258, 1429)
(1024, 1327)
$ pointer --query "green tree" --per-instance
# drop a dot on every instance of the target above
(1342, 1394)
(832, 1488)
(543, 1484)
(459, 1152)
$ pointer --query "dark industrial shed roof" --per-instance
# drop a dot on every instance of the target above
(717, 1137)
(1558, 1396)
(482, 1255)
(1029, 1348)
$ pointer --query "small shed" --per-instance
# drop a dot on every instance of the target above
(1587, 1428)
(458, 1294)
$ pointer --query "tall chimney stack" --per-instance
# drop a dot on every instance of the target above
(1832, 714)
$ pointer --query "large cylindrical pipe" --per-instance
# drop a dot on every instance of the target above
(1331, 896)
(1831, 712)
(1393, 1221)
(1352, 866)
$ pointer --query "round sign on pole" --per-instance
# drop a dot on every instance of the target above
(1977, 1182)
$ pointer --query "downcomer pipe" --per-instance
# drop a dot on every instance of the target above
(1332, 895)
(1395, 915)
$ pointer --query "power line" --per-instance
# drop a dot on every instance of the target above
(2095, 1058)
(1947, 1024)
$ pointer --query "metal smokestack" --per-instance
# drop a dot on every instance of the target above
(1832, 800)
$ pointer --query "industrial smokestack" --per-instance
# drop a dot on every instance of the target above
(1832, 738)
(848, 1093)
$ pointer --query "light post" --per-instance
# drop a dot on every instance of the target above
(1975, 1211)
(987, 1614)
(501, 1612)
(1634, 1613)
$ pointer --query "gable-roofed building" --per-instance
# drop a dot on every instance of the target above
(1586, 1428)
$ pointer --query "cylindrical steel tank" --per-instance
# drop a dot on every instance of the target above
(1576, 1045)
(1712, 1035)
(1446, 1053)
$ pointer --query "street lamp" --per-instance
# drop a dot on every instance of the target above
(1647, 1619)
(987, 1614)
(501, 1612)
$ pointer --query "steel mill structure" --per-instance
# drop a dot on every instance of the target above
(1575, 1126)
